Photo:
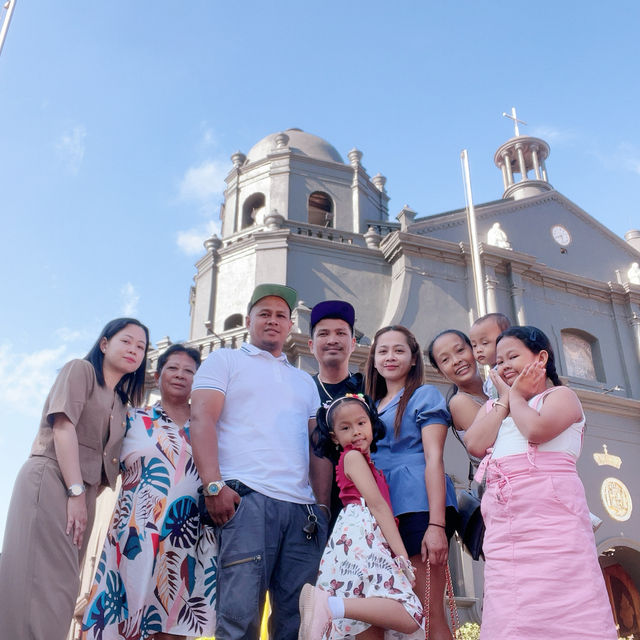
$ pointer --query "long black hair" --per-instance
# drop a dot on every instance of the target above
(323, 445)
(536, 341)
(463, 336)
(376, 385)
(130, 387)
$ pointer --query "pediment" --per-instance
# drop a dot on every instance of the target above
(593, 250)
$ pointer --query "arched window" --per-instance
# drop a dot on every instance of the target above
(320, 209)
(582, 355)
(253, 210)
(233, 322)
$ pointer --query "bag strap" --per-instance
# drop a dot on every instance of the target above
(453, 608)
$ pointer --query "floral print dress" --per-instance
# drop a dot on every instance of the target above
(357, 562)
(158, 568)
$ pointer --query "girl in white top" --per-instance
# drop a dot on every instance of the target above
(542, 577)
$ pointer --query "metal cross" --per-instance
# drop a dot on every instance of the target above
(514, 117)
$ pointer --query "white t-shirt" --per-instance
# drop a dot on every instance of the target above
(510, 440)
(263, 435)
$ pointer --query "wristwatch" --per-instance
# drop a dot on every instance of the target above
(213, 488)
(76, 490)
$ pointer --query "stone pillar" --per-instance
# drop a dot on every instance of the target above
(517, 299)
(521, 162)
(635, 326)
(507, 164)
(536, 162)
(505, 179)
(355, 155)
(490, 285)
(543, 168)
(406, 217)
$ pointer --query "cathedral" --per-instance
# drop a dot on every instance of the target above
(296, 213)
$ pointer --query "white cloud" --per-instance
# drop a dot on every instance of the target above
(71, 146)
(130, 299)
(204, 183)
(25, 378)
(551, 134)
(191, 241)
(208, 136)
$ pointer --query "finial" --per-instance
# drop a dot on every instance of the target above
(379, 181)
(213, 243)
(355, 155)
(238, 158)
(281, 140)
(514, 117)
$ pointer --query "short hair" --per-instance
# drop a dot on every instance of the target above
(130, 387)
(194, 354)
(376, 385)
(323, 446)
(536, 341)
(499, 318)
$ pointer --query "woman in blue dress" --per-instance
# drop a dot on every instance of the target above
(411, 458)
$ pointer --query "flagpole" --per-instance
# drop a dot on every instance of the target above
(473, 236)
(8, 6)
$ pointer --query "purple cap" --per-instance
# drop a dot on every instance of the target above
(338, 309)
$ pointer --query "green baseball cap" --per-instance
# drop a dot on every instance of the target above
(289, 295)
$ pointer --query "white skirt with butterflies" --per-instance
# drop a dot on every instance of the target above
(357, 562)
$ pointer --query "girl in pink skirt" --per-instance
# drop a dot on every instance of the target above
(364, 585)
(542, 577)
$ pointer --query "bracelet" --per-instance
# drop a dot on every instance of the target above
(435, 524)
(324, 506)
(500, 404)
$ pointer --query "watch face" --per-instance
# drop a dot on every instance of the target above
(214, 488)
(560, 235)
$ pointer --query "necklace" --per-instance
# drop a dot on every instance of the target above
(325, 389)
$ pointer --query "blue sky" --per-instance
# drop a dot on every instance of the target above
(118, 120)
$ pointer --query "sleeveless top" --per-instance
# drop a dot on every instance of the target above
(510, 440)
(349, 494)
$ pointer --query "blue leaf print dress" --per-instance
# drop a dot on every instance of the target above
(158, 568)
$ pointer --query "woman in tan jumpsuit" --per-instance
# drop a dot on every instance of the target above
(75, 452)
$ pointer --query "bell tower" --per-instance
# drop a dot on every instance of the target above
(522, 162)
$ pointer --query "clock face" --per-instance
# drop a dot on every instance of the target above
(560, 235)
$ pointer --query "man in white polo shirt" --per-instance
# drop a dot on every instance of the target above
(251, 414)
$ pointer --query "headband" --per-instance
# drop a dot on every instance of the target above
(350, 396)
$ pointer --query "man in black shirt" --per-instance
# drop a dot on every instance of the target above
(332, 342)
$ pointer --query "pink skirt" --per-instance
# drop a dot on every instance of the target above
(541, 578)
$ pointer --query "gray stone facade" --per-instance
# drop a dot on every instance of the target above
(295, 213)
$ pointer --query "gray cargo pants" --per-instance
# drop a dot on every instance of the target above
(264, 548)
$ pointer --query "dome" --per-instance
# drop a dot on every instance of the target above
(299, 142)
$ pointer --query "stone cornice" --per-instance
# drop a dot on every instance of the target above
(609, 404)
(402, 242)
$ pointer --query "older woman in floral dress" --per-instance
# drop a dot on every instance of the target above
(157, 574)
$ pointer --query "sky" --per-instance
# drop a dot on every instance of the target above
(117, 121)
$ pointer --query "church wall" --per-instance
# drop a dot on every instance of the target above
(236, 280)
(621, 435)
(322, 271)
(554, 309)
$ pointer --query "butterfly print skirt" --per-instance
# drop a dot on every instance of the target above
(357, 562)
